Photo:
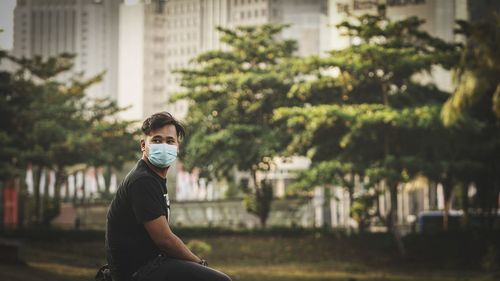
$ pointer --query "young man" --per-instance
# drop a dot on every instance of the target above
(139, 242)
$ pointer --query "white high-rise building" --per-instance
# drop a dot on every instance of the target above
(86, 28)
(142, 60)
(439, 17)
(187, 29)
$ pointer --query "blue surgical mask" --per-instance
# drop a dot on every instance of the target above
(162, 155)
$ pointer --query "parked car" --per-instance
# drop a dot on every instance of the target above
(432, 221)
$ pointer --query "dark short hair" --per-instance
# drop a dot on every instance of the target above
(160, 119)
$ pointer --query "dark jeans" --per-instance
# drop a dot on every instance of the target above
(164, 268)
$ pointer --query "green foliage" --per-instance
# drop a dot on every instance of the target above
(199, 247)
(366, 112)
(60, 125)
(363, 208)
(53, 125)
(475, 103)
(232, 94)
(477, 74)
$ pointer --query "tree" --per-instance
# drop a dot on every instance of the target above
(478, 72)
(53, 125)
(476, 101)
(232, 94)
(116, 139)
(366, 109)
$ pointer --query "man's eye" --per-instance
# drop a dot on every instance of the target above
(156, 141)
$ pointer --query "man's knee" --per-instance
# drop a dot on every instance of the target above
(224, 277)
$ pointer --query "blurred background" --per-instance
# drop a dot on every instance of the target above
(327, 139)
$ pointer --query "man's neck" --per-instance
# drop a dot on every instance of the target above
(160, 172)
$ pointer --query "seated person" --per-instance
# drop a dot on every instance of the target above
(139, 242)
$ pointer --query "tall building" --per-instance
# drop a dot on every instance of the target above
(86, 28)
(158, 37)
(439, 17)
(187, 29)
(142, 60)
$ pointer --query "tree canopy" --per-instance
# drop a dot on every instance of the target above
(232, 94)
(52, 125)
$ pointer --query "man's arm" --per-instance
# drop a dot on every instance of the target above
(161, 234)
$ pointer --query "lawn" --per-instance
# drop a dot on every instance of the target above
(247, 258)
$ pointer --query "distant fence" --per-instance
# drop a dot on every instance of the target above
(220, 213)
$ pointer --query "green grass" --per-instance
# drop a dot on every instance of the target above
(247, 258)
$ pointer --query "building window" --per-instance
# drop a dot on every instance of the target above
(158, 56)
(158, 39)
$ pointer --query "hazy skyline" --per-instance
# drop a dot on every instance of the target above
(7, 23)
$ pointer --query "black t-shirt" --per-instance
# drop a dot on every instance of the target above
(141, 197)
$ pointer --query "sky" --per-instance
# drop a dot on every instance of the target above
(7, 23)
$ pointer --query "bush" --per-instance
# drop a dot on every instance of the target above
(471, 250)
(489, 261)
(199, 248)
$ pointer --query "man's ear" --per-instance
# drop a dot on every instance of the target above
(143, 145)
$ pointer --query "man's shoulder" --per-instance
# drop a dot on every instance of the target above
(140, 173)
(141, 179)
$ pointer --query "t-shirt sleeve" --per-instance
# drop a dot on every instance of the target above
(146, 199)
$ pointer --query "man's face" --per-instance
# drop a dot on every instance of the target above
(166, 134)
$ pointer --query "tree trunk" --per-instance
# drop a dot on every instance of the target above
(392, 215)
(382, 218)
(107, 178)
(465, 204)
(262, 217)
(61, 178)
(491, 189)
(45, 199)
(327, 211)
(22, 203)
(38, 202)
(262, 195)
(392, 219)
(447, 189)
